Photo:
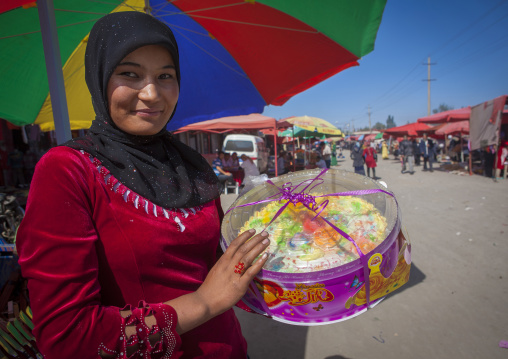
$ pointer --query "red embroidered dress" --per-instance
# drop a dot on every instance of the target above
(89, 246)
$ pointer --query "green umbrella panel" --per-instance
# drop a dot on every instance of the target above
(302, 133)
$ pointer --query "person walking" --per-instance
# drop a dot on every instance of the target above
(428, 151)
(334, 154)
(326, 153)
(416, 151)
(384, 150)
(370, 155)
(358, 160)
(501, 159)
(407, 155)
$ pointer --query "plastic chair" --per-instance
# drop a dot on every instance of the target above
(231, 185)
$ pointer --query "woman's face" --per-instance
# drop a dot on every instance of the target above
(143, 91)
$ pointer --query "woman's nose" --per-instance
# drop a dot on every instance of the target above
(149, 92)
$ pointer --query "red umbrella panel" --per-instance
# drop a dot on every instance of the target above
(447, 116)
(453, 128)
(409, 130)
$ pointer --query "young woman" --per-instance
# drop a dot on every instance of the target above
(122, 226)
(369, 153)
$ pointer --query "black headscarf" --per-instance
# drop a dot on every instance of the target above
(158, 167)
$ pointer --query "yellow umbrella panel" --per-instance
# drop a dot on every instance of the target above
(314, 124)
(79, 101)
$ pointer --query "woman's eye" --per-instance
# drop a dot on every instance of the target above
(166, 76)
(128, 74)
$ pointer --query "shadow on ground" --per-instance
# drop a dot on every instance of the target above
(416, 276)
(279, 339)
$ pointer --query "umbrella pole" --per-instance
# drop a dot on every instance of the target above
(276, 158)
(294, 152)
(275, 146)
(54, 69)
(470, 158)
(461, 149)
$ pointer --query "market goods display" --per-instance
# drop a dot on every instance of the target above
(336, 245)
(302, 242)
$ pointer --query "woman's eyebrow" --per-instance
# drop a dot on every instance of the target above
(129, 63)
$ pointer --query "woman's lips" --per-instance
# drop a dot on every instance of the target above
(148, 112)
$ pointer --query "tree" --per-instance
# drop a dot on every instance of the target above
(378, 126)
(442, 108)
(390, 122)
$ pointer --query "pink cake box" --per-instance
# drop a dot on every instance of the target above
(335, 293)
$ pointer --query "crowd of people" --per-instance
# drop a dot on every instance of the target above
(231, 168)
(411, 153)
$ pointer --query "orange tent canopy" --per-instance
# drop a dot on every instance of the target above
(236, 123)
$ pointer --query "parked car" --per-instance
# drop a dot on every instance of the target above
(252, 146)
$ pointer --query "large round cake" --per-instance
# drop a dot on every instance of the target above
(301, 241)
(324, 228)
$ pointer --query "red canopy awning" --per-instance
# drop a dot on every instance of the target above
(236, 123)
(454, 128)
(409, 129)
(448, 116)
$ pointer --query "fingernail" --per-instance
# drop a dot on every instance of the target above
(264, 234)
(265, 241)
(264, 255)
(252, 231)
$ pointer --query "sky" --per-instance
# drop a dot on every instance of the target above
(467, 42)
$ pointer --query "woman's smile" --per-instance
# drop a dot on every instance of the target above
(148, 112)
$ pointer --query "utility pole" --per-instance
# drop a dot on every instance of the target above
(370, 127)
(428, 84)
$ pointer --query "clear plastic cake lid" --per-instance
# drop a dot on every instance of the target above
(316, 220)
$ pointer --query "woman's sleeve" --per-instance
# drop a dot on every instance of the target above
(56, 243)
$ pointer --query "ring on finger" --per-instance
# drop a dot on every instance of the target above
(240, 267)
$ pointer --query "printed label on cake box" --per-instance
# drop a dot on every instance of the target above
(333, 299)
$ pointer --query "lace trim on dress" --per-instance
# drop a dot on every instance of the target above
(165, 317)
(139, 202)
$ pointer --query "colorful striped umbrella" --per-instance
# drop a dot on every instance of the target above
(313, 125)
(236, 56)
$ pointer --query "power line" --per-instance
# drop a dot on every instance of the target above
(393, 91)
(468, 27)
(475, 35)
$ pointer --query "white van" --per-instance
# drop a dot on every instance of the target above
(252, 146)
